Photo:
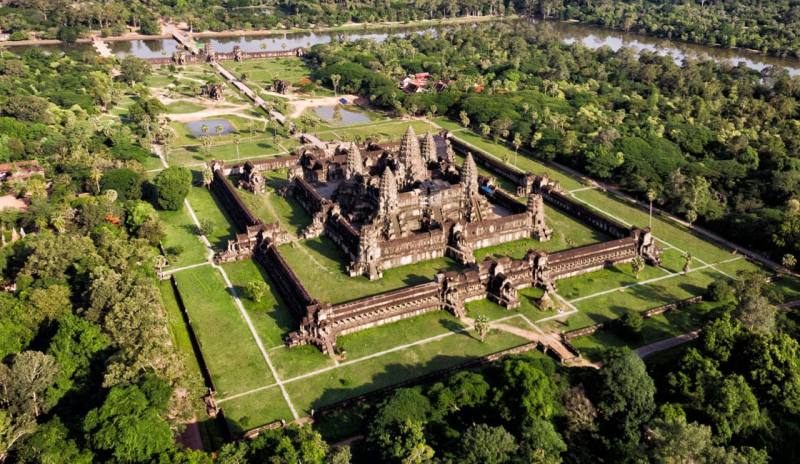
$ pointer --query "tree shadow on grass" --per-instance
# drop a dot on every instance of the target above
(383, 383)
(454, 327)
(327, 248)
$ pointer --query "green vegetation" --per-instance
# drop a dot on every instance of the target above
(320, 265)
(172, 185)
(213, 313)
(647, 124)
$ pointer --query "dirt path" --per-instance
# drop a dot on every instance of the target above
(662, 345)
(209, 112)
(299, 105)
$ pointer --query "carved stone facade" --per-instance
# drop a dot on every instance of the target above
(212, 91)
(252, 180)
(393, 204)
(281, 86)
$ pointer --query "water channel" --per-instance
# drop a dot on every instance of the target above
(590, 36)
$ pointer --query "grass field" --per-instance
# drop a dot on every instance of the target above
(206, 206)
(388, 130)
(180, 234)
(385, 355)
(228, 346)
(256, 147)
(262, 73)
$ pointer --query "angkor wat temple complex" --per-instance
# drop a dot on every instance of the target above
(391, 204)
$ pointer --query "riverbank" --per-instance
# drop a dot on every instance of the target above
(348, 27)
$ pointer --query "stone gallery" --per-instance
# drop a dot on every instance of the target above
(392, 204)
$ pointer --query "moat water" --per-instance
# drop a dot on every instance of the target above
(589, 36)
(196, 127)
(340, 115)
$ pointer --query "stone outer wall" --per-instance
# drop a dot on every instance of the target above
(450, 290)
(267, 164)
(490, 163)
(202, 58)
(292, 291)
(233, 204)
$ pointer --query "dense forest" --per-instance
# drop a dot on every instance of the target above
(67, 20)
(771, 27)
(87, 369)
(714, 143)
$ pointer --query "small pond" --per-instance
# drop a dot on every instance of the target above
(339, 114)
(196, 127)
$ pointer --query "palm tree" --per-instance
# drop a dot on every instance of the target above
(464, 118)
(95, 175)
(206, 141)
(517, 142)
(218, 129)
(482, 326)
(651, 195)
(637, 265)
(236, 140)
(485, 129)
(687, 261)
(335, 78)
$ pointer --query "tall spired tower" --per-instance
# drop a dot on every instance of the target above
(428, 148)
(387, 201)
(354, 166)
(411, 166)
(474, 206)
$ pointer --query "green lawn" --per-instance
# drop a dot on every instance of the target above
(256, 409)
(257, 147)
(657, 328)
(271, 207)
(349, 380)
(265, 71)
(528, 298)
(270, 316)
(182, 106)
(670, 233)
(179, 332)
(321, 266)
(567, 233)
(520, 160)
(180, 234)
(228, 347)
(206, 206)
(384, 131)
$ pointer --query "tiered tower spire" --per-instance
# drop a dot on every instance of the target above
(428, 148)
(354, 166)
(412, 166)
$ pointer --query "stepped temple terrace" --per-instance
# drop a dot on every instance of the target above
(392, 204)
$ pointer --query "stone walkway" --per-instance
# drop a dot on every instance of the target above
(662, 345)
(101, 47)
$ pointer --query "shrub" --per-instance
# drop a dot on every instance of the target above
(719, 290)
(631, 324)
(126, 182)
(256, 290)
(18, 35)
